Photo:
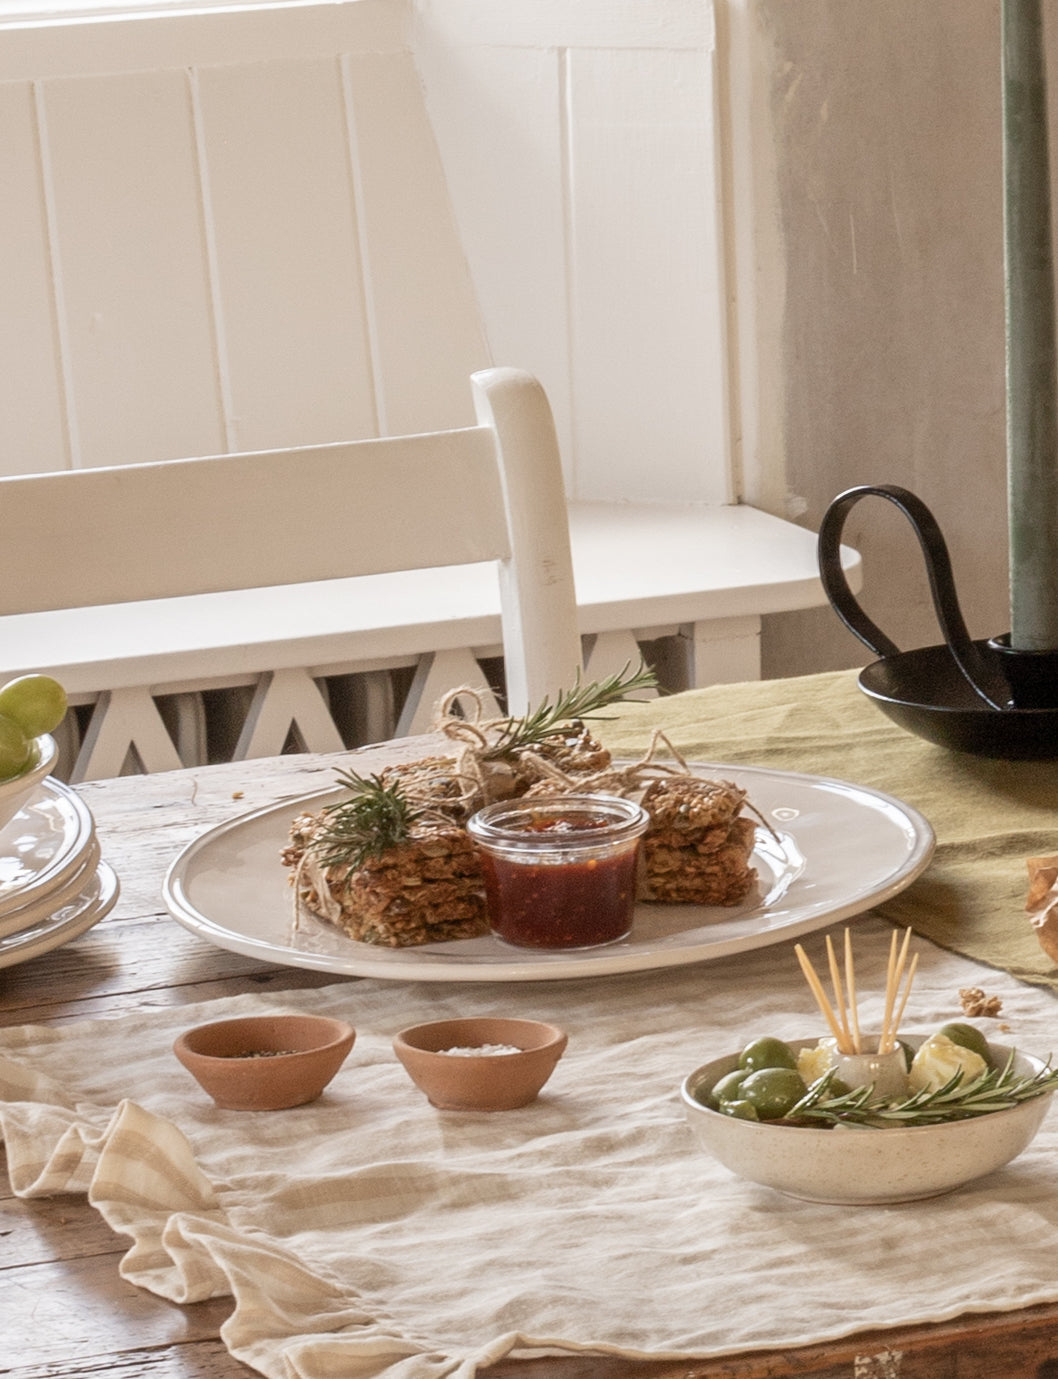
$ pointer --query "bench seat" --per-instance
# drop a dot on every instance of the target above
(642, 571)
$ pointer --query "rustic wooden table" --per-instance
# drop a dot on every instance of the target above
(65, 1311)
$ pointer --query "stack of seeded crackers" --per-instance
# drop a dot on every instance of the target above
(426, 889)
(698, 846)
(427, 886)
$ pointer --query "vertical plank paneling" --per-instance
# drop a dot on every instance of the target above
(637, 331)
(32, 431)
(139, 40)
(501, 109)
(261, 251)
(648, 369)
(422, 302)
(230, 231)
(127, 214)
(288, 268)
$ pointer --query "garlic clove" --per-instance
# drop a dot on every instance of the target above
(938, 1060)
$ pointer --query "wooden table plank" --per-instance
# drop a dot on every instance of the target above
(117, 968)
(188, 1360)
(83, 1305)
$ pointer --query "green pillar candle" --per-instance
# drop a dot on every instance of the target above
(1032, 429)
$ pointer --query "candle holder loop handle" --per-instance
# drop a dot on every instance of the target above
(986, 680)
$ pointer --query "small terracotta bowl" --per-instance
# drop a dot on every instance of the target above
(492, 1080)
(265, 1062)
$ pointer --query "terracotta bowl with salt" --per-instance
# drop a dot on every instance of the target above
(485, 1063)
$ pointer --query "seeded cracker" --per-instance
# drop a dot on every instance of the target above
(698, 846)
(426, 889)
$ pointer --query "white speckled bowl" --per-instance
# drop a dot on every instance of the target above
(856, 1167)
(16, 791)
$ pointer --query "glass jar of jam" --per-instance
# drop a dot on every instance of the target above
(560, 871)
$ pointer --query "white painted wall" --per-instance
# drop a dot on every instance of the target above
(871, 220)
(579, 143)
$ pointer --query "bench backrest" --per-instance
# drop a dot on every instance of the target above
(490, 492)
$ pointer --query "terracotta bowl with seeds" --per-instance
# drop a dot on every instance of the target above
(480, 1064)
(265, 1062)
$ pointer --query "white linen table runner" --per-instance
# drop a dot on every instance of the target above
(368, 1234)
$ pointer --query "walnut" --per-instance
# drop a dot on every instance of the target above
(974, 1002)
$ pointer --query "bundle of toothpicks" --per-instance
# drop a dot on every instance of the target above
(842, 1016)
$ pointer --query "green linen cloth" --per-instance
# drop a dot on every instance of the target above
(988, 816)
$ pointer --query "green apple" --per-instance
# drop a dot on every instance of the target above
(16, 749)
(37, 703)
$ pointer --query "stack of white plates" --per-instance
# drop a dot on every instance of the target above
(53, 885)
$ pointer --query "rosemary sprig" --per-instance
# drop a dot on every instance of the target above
(995, 1090)
(580, 702)
(376, 817)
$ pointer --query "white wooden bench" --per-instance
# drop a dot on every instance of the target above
(232, 231)
(702, 574)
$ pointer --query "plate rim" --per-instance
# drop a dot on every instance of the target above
(603, 961)
(65, 862)
(24, 946)
(58, 896)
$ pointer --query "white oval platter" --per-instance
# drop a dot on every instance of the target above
(837, 850)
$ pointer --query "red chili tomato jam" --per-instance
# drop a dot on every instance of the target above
(560, 872)
(557, 904)
(546, 824)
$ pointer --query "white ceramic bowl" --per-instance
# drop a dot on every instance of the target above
(15, 792)
(860, 1166)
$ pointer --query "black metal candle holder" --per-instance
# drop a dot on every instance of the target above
(983, 697)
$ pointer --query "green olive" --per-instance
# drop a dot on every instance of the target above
(740, 1110)
(767, 1052)
(967, 1037)
(773, 1092)
(728, 1088)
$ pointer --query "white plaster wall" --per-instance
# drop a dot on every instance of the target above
(871, 291)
